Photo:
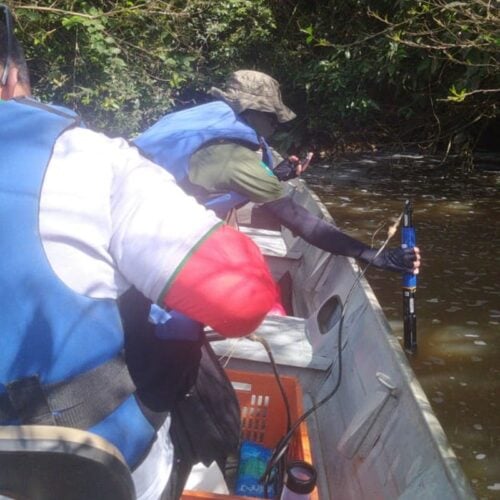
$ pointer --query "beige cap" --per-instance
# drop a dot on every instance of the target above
(246, 89)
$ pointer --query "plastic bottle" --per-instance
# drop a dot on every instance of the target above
(300, 481)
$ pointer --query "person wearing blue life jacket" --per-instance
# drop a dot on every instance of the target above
(220, 149)
(86, 220)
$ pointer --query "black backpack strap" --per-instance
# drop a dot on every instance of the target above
(206, 424)
(80, 402)
(163, 369)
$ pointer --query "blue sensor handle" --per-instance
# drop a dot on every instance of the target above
(408, 240)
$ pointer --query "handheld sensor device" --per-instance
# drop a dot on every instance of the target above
(408, 240)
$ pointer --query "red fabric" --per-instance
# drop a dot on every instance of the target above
(277, 309)
(225, 284)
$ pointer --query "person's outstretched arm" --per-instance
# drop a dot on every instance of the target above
(325, 235)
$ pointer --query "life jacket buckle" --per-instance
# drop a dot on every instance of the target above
(29, 402)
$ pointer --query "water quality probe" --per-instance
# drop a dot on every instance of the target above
(408, 240)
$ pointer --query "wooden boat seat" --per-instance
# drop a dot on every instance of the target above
(47, 462)
(272, 243)
(288, 338)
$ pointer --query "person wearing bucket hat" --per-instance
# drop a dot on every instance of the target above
(256, 98)
(221, 148)
(218, 153)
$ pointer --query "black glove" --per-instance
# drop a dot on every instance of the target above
(393, 259)
(285, 170)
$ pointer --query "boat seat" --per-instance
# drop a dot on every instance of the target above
(39, 462)
(272, 243)
(288, 340)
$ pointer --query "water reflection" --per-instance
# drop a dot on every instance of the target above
(458, 298)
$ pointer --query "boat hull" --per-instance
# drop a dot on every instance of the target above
(377, 436)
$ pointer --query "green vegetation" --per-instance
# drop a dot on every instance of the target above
(394, 73)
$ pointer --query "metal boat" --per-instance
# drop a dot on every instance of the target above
(377, 436)
(374, 435)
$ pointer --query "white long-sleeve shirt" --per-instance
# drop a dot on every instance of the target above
(110, 219)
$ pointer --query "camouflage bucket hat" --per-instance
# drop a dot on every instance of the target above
(247, 89)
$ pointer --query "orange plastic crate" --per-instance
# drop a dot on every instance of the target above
(263, 419)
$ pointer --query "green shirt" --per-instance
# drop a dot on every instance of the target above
(219, 168)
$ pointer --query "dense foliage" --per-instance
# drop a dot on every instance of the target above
(407, 72)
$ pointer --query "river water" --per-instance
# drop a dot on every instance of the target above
(457, 219)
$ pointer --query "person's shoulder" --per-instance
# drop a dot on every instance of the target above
(227, 150)
(80, 138)
(94, 151)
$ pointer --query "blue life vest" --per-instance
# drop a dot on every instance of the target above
(50, 334)
(172, 140)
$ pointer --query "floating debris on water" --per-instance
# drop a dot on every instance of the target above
(478, 303)
(478, 427)
(480, 342)
(435, 360)
(480, 456)
(433, 301)
(472, 335)
(494, 487)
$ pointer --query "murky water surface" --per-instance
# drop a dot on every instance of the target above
(457, 218)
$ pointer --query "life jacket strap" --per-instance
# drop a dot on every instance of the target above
(81, 402)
